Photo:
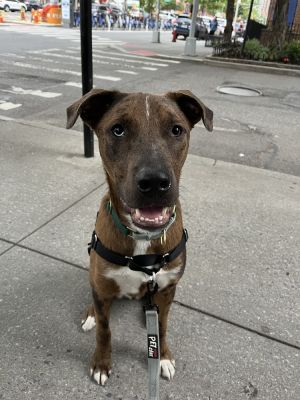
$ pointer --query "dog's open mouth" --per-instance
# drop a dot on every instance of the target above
(151, 217)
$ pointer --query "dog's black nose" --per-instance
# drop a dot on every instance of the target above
(149, 181)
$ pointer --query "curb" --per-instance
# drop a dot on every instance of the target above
(249, 66)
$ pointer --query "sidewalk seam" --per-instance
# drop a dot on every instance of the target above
(48, 221)
(78, 266)
(236, 324)
(176, 302)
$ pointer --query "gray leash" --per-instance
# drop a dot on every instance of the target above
(151, 311)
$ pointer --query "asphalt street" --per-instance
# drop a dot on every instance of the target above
(256, 131)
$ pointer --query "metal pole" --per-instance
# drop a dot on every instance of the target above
(190, 44)
(236, 13)
(247, 27)
(86, 66)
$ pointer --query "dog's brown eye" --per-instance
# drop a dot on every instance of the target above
(118, 130)
(177, 130)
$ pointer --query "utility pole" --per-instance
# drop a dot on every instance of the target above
(247, 26)
(86, 66)
(238, 3)
(190, 44)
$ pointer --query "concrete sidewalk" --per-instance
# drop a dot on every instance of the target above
(235, 324)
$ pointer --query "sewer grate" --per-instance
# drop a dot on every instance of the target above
(239, 91)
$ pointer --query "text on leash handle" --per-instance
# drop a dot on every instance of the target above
(153, 353)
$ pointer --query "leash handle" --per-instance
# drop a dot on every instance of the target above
(153, 352)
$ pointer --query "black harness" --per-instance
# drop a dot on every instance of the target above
(147, 263)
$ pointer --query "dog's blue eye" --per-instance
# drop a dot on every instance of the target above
(118, 130)
(177, 130)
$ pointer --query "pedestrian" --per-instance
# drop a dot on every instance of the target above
(213, 25)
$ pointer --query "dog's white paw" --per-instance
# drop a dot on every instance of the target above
(100, 377)
(88, 324)
(167, 369)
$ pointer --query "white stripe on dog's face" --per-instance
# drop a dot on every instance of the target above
(147, 108)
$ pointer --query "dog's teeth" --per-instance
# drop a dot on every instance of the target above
(142, 219)
(156, 220)
(165, 210)
(137, 213)
(160, 218)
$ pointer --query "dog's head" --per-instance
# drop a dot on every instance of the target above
(143, 142)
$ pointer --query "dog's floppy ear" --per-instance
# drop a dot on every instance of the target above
(193, 108)
(92, 106)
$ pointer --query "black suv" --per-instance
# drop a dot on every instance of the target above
(182, 27)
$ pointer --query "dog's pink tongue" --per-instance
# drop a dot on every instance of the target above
(151, 212)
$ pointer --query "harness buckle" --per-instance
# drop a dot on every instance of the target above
(164, 260)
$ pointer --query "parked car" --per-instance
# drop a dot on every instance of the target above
(166, 15)
(182, 28)
(12, 5)
(32, 5)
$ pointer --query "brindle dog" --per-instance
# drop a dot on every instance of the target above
(143, 143)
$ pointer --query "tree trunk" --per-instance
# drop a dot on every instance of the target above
(280, 24)
(229, 18)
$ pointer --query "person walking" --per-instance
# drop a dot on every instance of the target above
(213, 25)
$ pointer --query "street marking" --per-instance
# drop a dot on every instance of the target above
(77, 58)
(126, 72)
(149, 68)
(140, 57)
(75, 84)
(5, 118)
(218, 128)
(39, 93)
(107, 78)
(121, 59)
(61, 71)
(13, 55)
(6, 105)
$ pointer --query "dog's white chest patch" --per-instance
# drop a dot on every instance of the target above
(129, 281)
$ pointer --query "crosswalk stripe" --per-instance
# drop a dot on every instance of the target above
(121, 59)
(140, 57)
(39, 93)
(78, 58)
(7, 105)
(107, 78)
(75, 58)
(61, 71)
(126, 72)
(74, 84)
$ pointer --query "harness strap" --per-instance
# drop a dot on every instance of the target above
(139, 262)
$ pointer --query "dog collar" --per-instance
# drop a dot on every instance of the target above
(139, 235)
(147, 263)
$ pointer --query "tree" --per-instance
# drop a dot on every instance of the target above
(229, 20)
(148, 5)
(212, 6)
(279, 24)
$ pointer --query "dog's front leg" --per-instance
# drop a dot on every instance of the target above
(101, 361)
(164, 299)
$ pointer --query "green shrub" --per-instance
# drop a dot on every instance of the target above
(256, 51)
(292, 50)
